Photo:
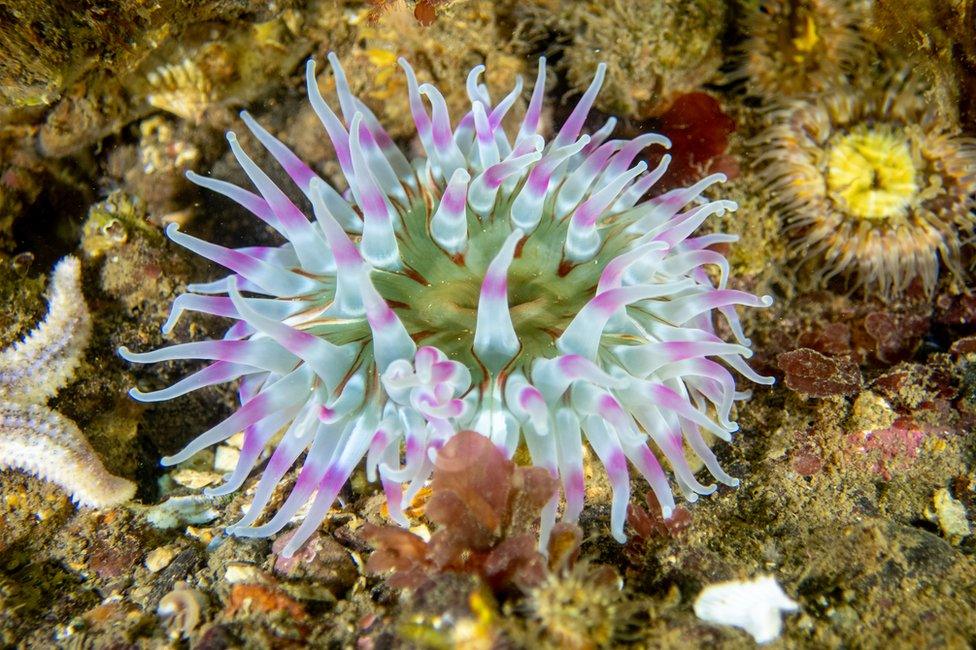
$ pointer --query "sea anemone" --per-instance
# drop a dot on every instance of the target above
(520, 288)
(794, 47)
(580, 608)
(877, 186)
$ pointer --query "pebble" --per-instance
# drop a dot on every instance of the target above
(951, 515)
(182, 510)
(159, 558)
(194, 478)
(241, 573)
(225, 458)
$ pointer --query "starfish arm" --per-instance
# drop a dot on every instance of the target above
(48, 445)
(33, 370)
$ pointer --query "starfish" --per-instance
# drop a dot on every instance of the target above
(34, 437)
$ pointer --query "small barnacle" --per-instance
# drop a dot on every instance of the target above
(181, 610)
(876, 186)
(580, 608)
(181, 89)
(794, 47)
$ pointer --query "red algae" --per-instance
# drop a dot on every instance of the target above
(484, 508)
(807, 371)
(699, 131)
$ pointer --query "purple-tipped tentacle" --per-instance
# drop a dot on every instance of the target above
(285, 393)
(349, 264)
(391, 341)
(570, 129)
(533, 113)
(542, 450)
(495, 341)
(630, 196)
(296, 169)
(569, 454)
(577, 184)
(263, 354)
(298, 229)
(256, 438)
(608, 449)
(484, 188)
(224, 306)
(379, 244)
(583, 334)
(329, 485)
(582, 238)
(218, 372)
(333, 126)
(449, 225)
(271, 280)
(247, 200)
(329, 362)
(379, 165)
(529, 202)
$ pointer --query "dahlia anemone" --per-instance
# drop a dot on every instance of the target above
(875, 186)
(520, 288)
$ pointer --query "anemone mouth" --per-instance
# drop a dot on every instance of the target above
(871, 173)
(436, 293)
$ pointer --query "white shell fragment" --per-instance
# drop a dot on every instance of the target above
(195, 509)
(756, 606)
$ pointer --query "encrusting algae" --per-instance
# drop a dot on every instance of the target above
(681, 38)
(465, 34)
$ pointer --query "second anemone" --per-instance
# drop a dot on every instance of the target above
(520, 288)
(876, 186)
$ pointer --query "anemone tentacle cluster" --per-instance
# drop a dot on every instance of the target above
(520, 288)
(876, 186)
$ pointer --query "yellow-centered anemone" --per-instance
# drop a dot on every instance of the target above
(875, 187)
